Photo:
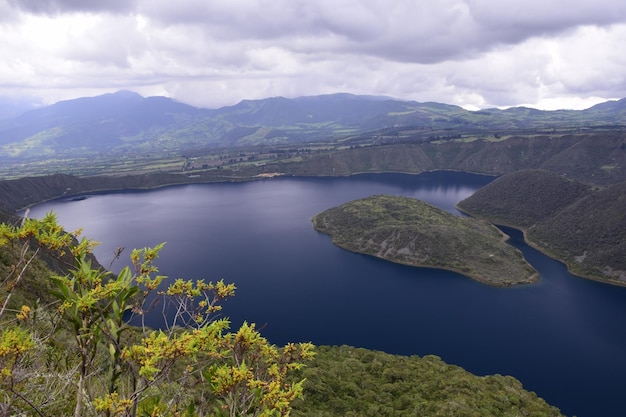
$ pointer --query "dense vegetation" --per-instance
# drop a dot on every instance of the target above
(88, 353)
(582, 225)
(525, 197)
(412, 232)
(345, 381)
(591, 158)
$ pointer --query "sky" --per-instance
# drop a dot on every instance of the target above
(547, 54)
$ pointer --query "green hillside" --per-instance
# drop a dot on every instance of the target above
(346, 381)
(525, 198)
(581, 225)
(411, 232)
(595, 158)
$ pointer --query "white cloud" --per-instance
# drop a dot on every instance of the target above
(475, 53)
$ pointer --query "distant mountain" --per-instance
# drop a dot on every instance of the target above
(127, 123)
(91, 124)
(341, 109)
(609, 106)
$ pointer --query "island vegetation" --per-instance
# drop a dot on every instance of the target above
(412, 232)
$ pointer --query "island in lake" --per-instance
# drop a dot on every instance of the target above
(415, 233)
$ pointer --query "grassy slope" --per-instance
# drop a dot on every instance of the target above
(571, 221)
(411, 232)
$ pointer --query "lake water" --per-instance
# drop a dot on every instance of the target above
(564, 337)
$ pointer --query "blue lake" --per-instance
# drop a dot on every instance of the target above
(563, 337)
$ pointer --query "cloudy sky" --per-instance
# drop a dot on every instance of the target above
(209, 53)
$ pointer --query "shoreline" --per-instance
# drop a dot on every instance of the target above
(466, 267)
(119, 186)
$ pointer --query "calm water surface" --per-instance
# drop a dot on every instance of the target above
(563, 337)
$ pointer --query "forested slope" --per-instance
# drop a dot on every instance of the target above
(525, 198)
(344, 381)
(581, 225)
(592, 158)
(23, 192)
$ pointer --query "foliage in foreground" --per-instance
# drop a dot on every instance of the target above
(347, 381)
(81, 356)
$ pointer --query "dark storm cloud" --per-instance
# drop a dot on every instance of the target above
(535, 16)
(52, 7)
(418, 31)
(405, 31)
(512, 21)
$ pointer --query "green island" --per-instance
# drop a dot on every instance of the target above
(415, 233)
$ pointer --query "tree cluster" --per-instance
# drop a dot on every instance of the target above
(80, 355)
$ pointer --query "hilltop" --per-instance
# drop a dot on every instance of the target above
(415, 233)
(579, 224)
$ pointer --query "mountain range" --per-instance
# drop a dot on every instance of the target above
(126, 123)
